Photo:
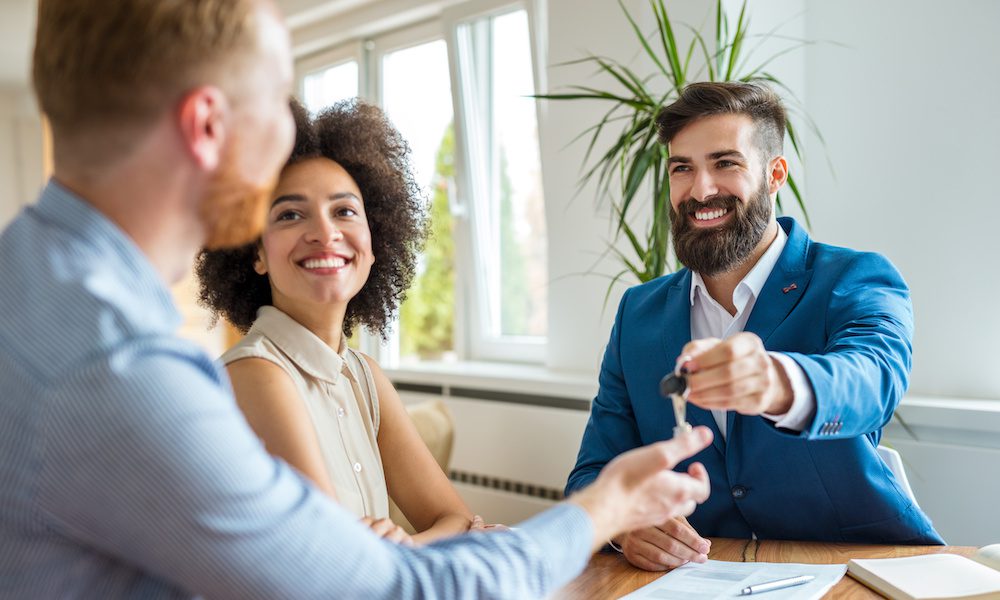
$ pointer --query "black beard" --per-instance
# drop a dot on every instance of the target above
(720, 249)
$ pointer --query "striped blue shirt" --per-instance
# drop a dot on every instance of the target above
(127, 470)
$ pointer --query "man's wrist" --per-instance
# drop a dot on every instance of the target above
(785, 395)
(593, 503)
(803, 409)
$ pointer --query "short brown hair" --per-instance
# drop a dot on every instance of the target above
(705, 99)
(359, 137)
(111, 65)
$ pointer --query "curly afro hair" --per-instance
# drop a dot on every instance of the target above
(360, 138)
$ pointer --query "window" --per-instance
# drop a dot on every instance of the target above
(459, 90)
(331, 76)
(415, 91)
(329, 86)
(503, 176)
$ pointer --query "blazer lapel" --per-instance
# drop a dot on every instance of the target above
(784, 287)
(781, 292)
(677, 333)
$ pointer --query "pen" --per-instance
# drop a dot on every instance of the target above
(777, 584)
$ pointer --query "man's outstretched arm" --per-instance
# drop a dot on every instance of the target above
(154, 467)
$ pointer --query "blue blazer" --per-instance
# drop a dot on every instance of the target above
(845, 317)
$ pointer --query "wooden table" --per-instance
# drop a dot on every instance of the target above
(610, 575)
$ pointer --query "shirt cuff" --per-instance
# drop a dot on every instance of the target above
(564, 535)
(803, 409)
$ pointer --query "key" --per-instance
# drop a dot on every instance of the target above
(674, 386)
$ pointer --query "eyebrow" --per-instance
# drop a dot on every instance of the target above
(721, 153)
(712, 156)
(301, 198)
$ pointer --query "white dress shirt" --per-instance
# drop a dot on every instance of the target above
(709, 319)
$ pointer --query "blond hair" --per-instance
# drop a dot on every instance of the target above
(101, 67)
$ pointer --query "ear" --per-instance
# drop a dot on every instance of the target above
(202, 117)
(259, 264)
(777, 174)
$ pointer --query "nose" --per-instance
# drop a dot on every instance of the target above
(703, 186)
(323, 231)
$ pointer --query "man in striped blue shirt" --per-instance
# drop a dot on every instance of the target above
(126, 469)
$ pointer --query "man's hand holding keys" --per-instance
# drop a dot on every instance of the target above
(736, 374)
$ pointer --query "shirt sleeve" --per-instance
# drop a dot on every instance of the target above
(149, 462)
(803, 409)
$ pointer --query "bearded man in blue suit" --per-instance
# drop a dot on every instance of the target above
(796, 353)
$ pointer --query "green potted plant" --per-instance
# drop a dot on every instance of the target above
(634, 157)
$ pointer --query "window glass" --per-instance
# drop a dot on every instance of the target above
(523, 267)
(416, 95)
(329, 86)
(505, 176)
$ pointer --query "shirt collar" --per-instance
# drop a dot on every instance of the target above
(148, 303)
(753, 282)
(302, 346)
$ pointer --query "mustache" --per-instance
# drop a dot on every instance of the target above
(690, 206)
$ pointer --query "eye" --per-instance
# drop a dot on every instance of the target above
(288, 215)
(722, 164)
(680, 169)
(345, 211)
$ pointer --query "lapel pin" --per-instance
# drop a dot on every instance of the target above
(789, 288)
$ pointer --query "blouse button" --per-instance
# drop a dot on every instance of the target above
(357, 467)
(340, 411)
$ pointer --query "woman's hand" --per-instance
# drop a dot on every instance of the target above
(386, 529)
(479, 525)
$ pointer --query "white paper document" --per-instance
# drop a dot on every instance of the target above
(719, 579)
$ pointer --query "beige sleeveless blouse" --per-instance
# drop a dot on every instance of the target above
(339, 392)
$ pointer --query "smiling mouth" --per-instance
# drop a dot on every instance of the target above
(710, 214)
(335, 262)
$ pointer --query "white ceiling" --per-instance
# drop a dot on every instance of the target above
(303, 12)
(17, 27)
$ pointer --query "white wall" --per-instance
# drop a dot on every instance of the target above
(20, 152)
(910, 114)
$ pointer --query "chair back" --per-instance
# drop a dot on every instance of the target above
(894, 461)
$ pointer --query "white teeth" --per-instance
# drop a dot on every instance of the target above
(709, 215)
(324, 263)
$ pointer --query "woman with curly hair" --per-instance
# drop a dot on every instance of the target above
(345, 224)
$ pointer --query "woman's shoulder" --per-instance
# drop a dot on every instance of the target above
(253, 345)
(368, 366)
(362, 359)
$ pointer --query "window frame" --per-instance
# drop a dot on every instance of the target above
(481, 344)
(330, 58)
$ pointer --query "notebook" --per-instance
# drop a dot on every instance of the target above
(932, 576)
